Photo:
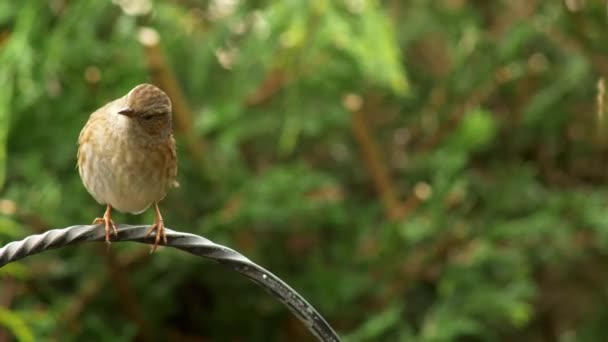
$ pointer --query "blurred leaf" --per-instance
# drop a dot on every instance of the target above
(572, 72)
(16, 325)
(375, 327)
(476, 131)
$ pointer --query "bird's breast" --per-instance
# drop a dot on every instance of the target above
(118, 170)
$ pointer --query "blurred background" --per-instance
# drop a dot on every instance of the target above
(418, 170)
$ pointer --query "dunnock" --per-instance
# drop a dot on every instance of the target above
(127, 158)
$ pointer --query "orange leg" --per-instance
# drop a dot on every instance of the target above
(109, 224)
(159, 228)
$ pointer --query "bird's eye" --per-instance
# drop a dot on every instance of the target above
(148, 117)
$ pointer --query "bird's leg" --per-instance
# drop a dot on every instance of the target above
(159, 227)
(109, 224)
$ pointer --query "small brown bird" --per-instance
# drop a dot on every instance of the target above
(127, 158)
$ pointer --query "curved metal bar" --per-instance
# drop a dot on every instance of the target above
(190, 243)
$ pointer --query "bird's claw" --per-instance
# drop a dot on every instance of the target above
(109, 226)
(159, 228)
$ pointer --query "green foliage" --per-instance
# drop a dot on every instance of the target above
(16, 325)
(468, 203)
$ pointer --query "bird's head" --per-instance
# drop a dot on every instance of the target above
(150, 108)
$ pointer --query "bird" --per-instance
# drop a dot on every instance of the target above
(127, 158)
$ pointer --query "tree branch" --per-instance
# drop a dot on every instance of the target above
(375, 164)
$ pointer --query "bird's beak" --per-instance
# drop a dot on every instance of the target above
(126, 111)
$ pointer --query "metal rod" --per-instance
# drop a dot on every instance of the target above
(186, 242)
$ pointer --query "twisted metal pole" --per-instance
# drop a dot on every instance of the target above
(186, 242)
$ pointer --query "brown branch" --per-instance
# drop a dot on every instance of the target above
(4, 37)
(163, 76)
(278, 78)
(9, 291)
(372, 159)
(275, 81)
(601, 109)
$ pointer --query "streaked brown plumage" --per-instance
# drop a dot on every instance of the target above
(127, 158)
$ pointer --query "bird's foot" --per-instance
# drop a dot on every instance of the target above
(109, 225)
(159, 228)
